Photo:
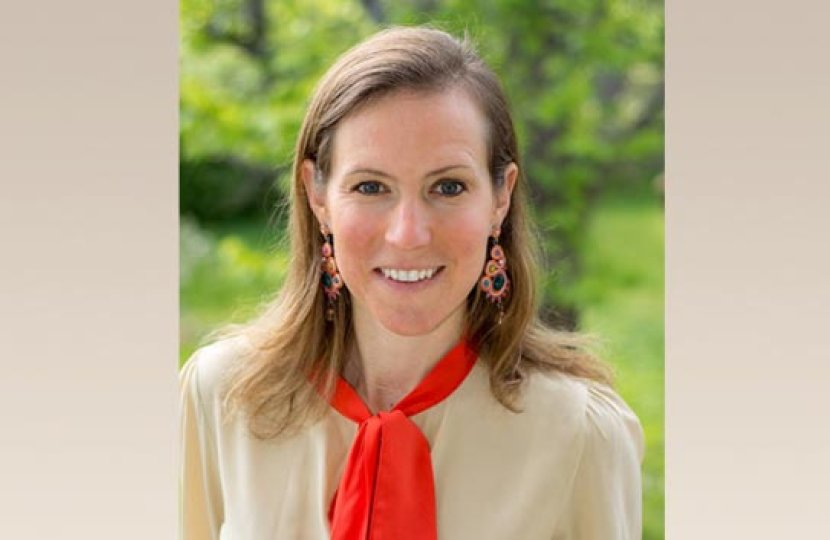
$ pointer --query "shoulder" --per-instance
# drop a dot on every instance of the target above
(611, 426)
(603, 453)
(597, 416)
(206, 371)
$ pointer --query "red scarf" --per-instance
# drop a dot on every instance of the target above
(387, 491)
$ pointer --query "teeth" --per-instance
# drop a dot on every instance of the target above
(408, 275)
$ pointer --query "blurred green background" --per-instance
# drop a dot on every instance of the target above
(585, 79)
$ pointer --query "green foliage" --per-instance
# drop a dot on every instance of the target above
(244, 83)
(226, 273)
(215, 188)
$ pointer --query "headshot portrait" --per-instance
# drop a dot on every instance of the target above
(421, 270)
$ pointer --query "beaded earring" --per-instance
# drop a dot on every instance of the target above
(494, 283)
(329, 276)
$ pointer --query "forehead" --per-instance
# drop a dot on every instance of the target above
(410, 130)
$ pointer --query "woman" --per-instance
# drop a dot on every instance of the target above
(402, 385)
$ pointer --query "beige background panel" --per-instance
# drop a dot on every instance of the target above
(748, 293)
(88, 281)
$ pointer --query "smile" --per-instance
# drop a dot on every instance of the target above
(409, 276)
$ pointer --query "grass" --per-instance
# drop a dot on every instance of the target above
(228, 270)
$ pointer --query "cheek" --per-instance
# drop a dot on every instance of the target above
(466, 238)
(353, 234)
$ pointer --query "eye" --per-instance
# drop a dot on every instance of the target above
(450, 188)
(369, 187)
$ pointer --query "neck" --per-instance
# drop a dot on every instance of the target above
(384, 367)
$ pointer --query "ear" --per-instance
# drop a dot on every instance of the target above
(315, 193)
(503, 194)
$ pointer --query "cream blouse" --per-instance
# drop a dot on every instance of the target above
(566, 467)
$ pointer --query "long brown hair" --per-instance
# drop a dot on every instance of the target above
(293, 350)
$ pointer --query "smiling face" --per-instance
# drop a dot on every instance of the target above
(410, 203)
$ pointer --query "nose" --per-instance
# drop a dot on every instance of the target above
(409, 226)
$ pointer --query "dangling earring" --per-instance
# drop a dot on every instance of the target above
(330, 277)
(495, 282)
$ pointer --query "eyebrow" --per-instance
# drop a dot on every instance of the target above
(376, 172)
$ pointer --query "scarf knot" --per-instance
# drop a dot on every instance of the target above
(387, 490)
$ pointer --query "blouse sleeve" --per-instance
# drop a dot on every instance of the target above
(201, 508)
(606, 501)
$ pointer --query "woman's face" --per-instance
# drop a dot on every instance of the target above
(410, 204)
